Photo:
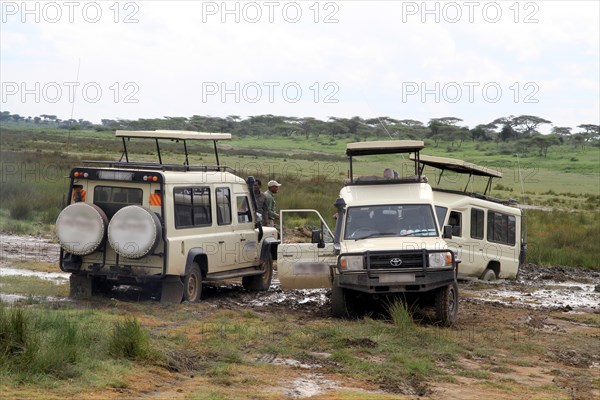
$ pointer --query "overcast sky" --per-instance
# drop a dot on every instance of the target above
(474, 60)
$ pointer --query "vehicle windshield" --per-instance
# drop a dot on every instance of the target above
(390, 221)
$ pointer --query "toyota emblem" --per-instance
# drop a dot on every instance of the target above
(395, 262)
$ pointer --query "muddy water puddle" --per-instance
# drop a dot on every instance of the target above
(56, 277)
(28, 248)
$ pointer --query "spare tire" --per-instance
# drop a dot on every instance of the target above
(134, 231)
(81, 228)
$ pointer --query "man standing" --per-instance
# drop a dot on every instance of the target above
(271, 205)
(261, 203)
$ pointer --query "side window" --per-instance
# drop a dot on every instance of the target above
(501, 228)
(455, 220)
(440, 213)
(182, 198)
(477, 223)
(223, 206)
(243, 210)
(201, 202)
(192, 207)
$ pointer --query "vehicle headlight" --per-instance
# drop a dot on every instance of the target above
(439, 260)
(352, 263)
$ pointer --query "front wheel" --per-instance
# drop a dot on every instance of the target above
(262, 282)
(446, 304)
(192, 284)
(343, 303)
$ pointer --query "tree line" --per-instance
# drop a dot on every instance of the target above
(522, 131)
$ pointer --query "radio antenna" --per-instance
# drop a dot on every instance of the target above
(73, 103)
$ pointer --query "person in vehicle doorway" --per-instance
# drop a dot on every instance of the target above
(271, 204)
(261, 203)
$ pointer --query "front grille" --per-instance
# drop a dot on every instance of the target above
(397, 259)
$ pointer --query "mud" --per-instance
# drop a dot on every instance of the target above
(28, 248)
(528, 305)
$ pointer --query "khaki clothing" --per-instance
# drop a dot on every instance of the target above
(262, 208)
(271, 206)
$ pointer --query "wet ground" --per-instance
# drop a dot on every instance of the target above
(543, 300)
(538, 287)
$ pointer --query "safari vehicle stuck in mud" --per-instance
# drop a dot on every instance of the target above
(488, 234)
(174, 226)
(387, 242)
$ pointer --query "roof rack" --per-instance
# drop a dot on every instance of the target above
(385, 147)
(509, 202)
(171, 135)
(458, 166)
(162, 167)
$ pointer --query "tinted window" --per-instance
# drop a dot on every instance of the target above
(477, 223)
(455, 220)
(223, 206)
(501, 228)
(192, 207)
(111, 199)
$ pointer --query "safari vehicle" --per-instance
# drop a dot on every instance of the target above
(387, 242)
(169, 225)
(486, 232)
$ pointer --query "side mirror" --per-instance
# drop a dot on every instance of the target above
(447, 232)
(317, 237)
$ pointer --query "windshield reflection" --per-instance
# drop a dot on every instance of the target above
(390, 221)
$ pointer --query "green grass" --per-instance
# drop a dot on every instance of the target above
(35, 161)
(564, 238)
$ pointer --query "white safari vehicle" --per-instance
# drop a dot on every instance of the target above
(173, 225)
(387, 242)
(486, 232)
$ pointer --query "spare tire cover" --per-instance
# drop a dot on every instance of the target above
(81, 228)
(134, 231)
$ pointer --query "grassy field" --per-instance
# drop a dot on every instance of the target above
(120, 347)
(34, 163)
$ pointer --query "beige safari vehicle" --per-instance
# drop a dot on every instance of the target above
(386, 243)
(175, 226)
(487, 233)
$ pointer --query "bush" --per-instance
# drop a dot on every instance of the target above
(20, 208)
(129, 340)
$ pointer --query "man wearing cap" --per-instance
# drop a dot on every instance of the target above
(270, 196)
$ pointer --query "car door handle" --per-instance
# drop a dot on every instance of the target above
(221, 241)
(242, 239)
(288, 255)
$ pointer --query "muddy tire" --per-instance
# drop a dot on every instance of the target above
(80, 286)
(101, 285)
(446, 304)
(488, 275)
(342, 302)
(260, 283)
(192, 284)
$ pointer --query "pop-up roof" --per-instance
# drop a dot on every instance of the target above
(458, 166)
(384, 147)
(172, 135)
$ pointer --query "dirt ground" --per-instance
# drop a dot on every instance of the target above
(554, 311)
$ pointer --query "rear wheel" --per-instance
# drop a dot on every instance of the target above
(262, 282)
(446, 304)
(80, 286)
(192, 284)
(488, 275)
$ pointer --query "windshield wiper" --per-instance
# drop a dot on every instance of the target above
(378, 234)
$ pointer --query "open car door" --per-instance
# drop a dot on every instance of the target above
(305, 256)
